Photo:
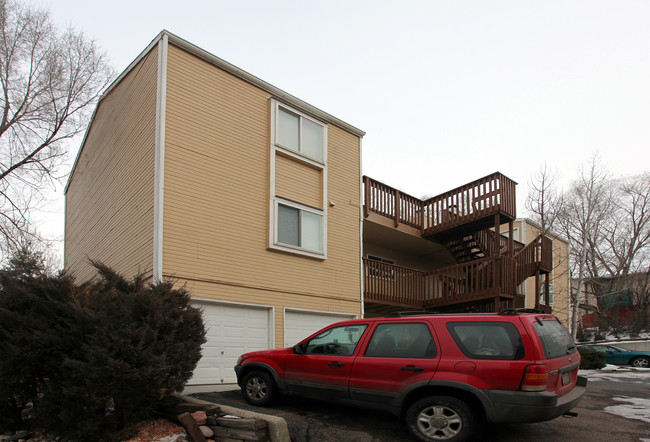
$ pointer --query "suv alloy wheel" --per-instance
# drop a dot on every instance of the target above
(259, 388)
(440, 418)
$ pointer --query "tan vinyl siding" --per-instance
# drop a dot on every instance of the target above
(298, 182)
(217, 193)
(109, 202)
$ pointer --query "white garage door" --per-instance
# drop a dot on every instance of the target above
(298, 324)
(230, 331)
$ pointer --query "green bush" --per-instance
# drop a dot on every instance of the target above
(96, 357)
(37, 315)
(591, 359)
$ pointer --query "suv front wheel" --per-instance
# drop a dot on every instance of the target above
(440, 418)
(258, 388)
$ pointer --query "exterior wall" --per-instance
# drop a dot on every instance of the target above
(410, 260)
(298, 182)
(109, 199)
(216, 199)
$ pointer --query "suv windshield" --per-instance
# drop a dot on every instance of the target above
(556, 340)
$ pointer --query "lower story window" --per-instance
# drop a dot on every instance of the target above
(299, 227)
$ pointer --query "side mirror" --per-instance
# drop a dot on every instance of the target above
(297, 349)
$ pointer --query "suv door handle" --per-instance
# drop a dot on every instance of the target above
(336, 364)
(412, 368)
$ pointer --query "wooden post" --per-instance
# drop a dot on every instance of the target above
(397, 204)
(537, 288)
(497, 237)
(511, 238)
(366, 191)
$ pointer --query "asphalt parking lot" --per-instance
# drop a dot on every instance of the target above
(311, 420)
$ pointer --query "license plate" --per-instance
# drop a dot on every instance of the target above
(566, 378)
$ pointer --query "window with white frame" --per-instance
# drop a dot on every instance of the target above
(298, 226)
(299, 133)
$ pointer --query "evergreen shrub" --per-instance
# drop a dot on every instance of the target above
(591, 359)
(96, 357)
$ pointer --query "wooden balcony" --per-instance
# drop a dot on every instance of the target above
(477, 280)
(470, 207)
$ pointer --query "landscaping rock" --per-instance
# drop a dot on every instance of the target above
(207, 431)
(200, 417)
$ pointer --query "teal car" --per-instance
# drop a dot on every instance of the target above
(621, 356)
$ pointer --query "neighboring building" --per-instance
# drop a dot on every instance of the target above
(615, 301)
(196, 170)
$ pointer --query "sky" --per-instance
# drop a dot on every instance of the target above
(446, 91)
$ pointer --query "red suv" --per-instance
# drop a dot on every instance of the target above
(443, 373)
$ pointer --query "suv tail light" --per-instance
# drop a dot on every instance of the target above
(535, 378)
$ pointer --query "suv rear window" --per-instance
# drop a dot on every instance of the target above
(556, 340)
(488, 340)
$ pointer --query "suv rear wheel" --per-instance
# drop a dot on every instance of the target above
(258, 388)
(440, 418)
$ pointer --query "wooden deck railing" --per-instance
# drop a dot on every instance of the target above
(480, 279)
(391, 203)
(393, 284)
(536, 255)
(485, 239)
(470, 281)
(493, 194)
(490, 195)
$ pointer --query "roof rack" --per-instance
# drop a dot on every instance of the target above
(517, 311)
(410, 313)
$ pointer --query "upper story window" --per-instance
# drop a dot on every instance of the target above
(299, 133)
(299, 227)
(298, 217)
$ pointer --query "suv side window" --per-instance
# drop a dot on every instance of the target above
(487, 340)
(407, 340)
(336, 341)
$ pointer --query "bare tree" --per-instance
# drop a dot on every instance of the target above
(585, 208)
(626, 235)
(544, 199)
(49, 81)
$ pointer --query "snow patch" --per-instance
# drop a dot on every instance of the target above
(635, 408)
(614, 373)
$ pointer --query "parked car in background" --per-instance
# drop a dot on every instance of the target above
(442, 373)
(621, 356)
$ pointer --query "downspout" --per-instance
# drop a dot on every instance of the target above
(361, 218)
(159, 174)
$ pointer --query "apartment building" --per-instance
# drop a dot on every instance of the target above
(196, 170)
